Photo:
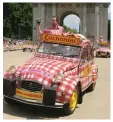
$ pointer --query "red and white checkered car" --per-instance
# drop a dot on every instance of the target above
(103, 50)
(55, 76)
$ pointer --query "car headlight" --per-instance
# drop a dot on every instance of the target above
(58, 78)
(12, 69)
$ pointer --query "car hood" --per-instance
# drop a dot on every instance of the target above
(104, 49)
(44, 68)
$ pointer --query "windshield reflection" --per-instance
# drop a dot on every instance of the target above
(63, 50)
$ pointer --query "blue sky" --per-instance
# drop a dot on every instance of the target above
(109, 12)
(73, 21)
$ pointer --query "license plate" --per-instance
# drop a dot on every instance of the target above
(29, 95)
(103, 54)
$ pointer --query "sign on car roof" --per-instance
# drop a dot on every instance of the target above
(60, 39)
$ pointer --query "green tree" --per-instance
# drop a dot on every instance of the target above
(17, 19)
(67, 29)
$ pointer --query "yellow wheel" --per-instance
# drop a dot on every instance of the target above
(69, 108)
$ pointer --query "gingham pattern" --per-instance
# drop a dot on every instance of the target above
(67, 87)
(43, 68)
(71, 72)
(9, 76)
(85, 79)
(13, 76)
(91, 78)
(94, 73)
(104, 49)
(84, 82)
(60, 58)
(49, 64)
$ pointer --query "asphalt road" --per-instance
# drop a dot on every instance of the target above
(96, 104)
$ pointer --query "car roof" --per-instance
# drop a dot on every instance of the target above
(82, 36)
(84, 40)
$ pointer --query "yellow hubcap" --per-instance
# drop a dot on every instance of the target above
(73, 100)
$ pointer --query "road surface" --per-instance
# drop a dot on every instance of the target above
(96, 104)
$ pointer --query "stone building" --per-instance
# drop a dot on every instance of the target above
(93, 17)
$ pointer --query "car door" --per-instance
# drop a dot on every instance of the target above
(83, 68)
(91, 60)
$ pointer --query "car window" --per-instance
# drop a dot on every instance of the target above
(65, 50)
(91, 53)
(84, 55)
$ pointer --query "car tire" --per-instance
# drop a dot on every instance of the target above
(31, 50)
(24, 49)
(108, 55)
(96, 55)
(70, 107)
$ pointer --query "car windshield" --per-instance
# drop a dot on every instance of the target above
(100, 45)
(58, 49)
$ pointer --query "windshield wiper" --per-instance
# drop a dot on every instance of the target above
(72, 56)
(58, 54)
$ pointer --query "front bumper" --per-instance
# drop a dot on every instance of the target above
(33, 102)
(103, 54)
(48, 100)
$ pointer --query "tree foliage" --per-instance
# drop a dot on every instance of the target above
(17, 20)
(67, 29)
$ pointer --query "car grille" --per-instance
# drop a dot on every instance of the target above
(31, 86)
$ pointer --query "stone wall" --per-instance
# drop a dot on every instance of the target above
(93, 17)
